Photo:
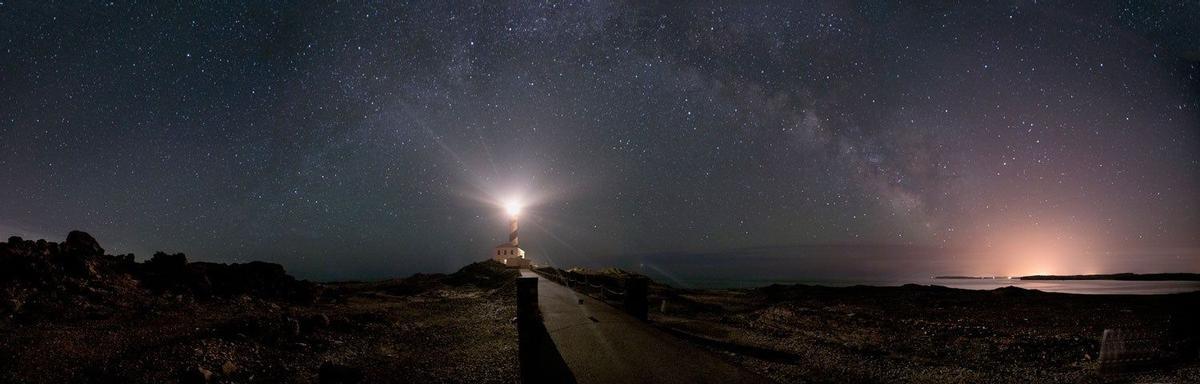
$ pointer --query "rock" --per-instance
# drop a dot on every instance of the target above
(315, 322)
(79, 264)
(167, 272)
(341, 322)
(305, 292)
(319, 320)
(14, 305)
(195, 375)
(75, 278)
(81, 243)
(331, 373)
(484, 274)
(167, 262)
(257, 279)
(228, 368)
(291, 327)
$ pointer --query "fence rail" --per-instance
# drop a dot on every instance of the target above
(633, 296)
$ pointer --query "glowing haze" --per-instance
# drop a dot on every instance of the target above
(870, 138)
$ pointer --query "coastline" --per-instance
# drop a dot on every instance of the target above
(72, 313)
(1092, 287)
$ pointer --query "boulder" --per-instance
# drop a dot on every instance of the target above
(319, 320)
(291, 327)
(166, 272)
(314, 322)
(81, 243)
(167, 262)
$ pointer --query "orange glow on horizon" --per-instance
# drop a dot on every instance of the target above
(1039, 251)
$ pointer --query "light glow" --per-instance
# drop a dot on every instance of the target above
(513, 208)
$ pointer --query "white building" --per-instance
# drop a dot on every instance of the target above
(510, 253)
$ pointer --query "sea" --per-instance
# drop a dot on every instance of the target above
(1087, 287)
(884, 265)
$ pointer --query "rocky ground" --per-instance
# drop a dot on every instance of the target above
(797, 334)
(71, 313)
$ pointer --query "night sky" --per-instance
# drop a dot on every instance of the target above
(373, 140)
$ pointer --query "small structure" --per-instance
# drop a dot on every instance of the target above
(510, 253)
(1127, 351)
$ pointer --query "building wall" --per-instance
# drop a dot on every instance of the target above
(502, 253)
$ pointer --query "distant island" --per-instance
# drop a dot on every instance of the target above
(1111, 276)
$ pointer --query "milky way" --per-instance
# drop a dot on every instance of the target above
(359, 140)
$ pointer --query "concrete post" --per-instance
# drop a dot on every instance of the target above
(527, 300)
(529, 332)
(636, 302)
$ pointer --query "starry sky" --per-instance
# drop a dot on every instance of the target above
(367, 140)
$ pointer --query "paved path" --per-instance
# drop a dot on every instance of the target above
(601, 344)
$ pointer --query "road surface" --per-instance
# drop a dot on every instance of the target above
(602, 344)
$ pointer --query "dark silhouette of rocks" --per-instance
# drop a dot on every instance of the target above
(69, 312)
(76, 278)
(81, 243)
(485, 274)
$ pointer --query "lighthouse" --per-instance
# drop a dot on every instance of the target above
(512, 231)
(510, 253)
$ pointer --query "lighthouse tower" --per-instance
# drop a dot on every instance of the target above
(510, 253)
(512, 232)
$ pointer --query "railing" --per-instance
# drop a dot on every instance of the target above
(633, 296)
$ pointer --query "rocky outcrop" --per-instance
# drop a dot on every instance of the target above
(78, 274)
(81, 243)
(256, 278)
(483, 274)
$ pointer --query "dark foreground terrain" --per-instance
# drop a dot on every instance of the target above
(70, 313)
(931, 334)
(922, 334)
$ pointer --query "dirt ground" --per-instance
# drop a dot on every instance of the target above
(798, 334)
(417, 330)
(459, 328)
